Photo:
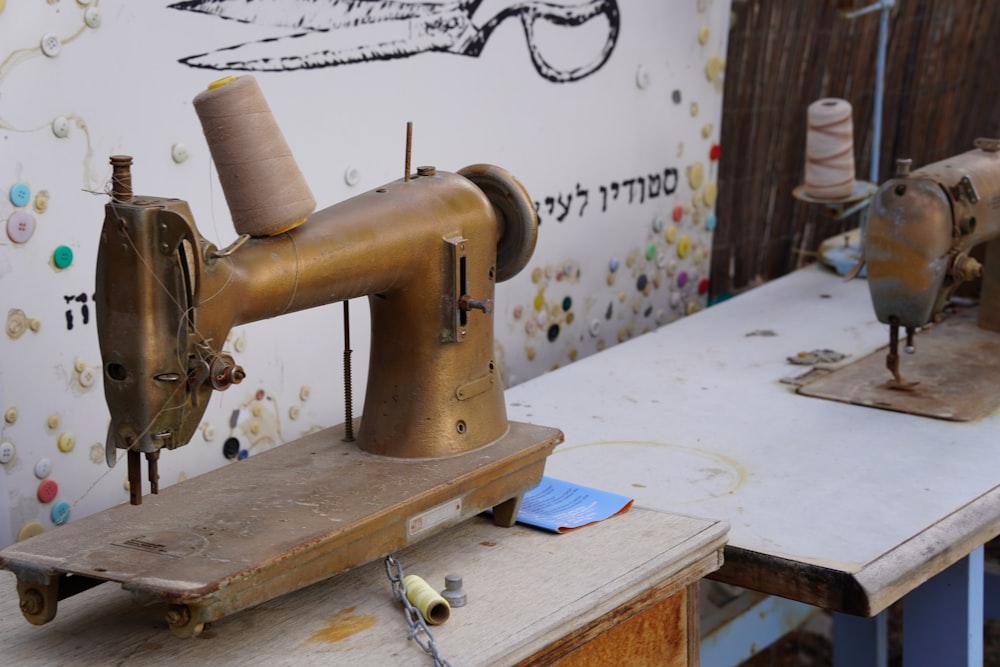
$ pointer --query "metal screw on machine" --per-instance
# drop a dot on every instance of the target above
(453, 591)
(467, 303)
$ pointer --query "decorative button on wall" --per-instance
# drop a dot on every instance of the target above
(20, 226)
(20, 194)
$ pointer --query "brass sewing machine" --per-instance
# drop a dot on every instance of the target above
(433, 446)
(924, 232)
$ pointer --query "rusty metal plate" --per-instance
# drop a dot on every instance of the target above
(279, 521)
(956, 364)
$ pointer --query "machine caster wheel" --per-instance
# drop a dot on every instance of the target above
(179, 618)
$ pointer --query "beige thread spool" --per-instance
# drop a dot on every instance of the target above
(830, 149)
(264, 188)
(434, 608)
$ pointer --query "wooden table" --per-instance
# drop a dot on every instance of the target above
(532, 597)
(846, 507)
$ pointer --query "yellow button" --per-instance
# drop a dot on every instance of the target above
(711, 193)
(713, 68)
(683, 246)
(30, 529)
(696, 174)
(66, 442)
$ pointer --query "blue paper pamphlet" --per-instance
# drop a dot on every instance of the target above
(560, 506)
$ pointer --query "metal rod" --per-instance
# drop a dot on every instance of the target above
(152, 466)
(882, 6)
(348, 393)
(134, 478)
(883, 41)
(409, 149)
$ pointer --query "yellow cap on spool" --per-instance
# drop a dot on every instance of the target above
(219, 83)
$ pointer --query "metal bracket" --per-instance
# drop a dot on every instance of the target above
(965, 189)
(455, 331)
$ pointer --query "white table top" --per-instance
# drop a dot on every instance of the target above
(842, 506)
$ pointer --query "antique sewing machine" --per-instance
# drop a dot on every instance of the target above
(433, 446)
(924, 234)
(922, 228)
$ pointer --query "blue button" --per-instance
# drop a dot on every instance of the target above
(60, 512)
(20, 194)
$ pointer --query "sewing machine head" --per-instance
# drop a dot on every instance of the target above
(921, 229)
(435, 444)
(427, 250)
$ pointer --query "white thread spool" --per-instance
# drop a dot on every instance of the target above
(264, 188)
(830, 149)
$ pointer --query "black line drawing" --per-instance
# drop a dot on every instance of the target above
(341, 32)
(80, 298)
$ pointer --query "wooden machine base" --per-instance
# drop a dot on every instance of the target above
(956, 366)
(274, 523)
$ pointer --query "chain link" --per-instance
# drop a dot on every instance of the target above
(394, 570)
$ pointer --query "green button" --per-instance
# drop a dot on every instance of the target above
(63, 256)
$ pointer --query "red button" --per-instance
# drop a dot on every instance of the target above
(703, 286)
(678, 213)
(714, 152)
(47, 491)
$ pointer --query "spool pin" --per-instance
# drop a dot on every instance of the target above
(264, 188)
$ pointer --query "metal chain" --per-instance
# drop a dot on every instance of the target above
(414, 619)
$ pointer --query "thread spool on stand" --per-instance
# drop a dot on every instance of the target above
(829, 172)
(265, 191)
(829, 166)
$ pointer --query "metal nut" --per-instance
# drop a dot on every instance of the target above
(453, 591)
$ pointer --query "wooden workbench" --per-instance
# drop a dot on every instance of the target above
(846, 507)
(532, 596)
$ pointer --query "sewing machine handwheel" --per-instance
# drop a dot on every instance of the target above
(517, 220)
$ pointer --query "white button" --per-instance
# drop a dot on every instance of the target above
(20, 226)
(352, 176)
(92, 17)
(43, 468)
(88, 377)
(60, 127)
(51, 46)
(179, 153)
(6, 451)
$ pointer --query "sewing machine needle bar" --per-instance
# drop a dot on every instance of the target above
(892, 359)
(152, 464)
(134, 478)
